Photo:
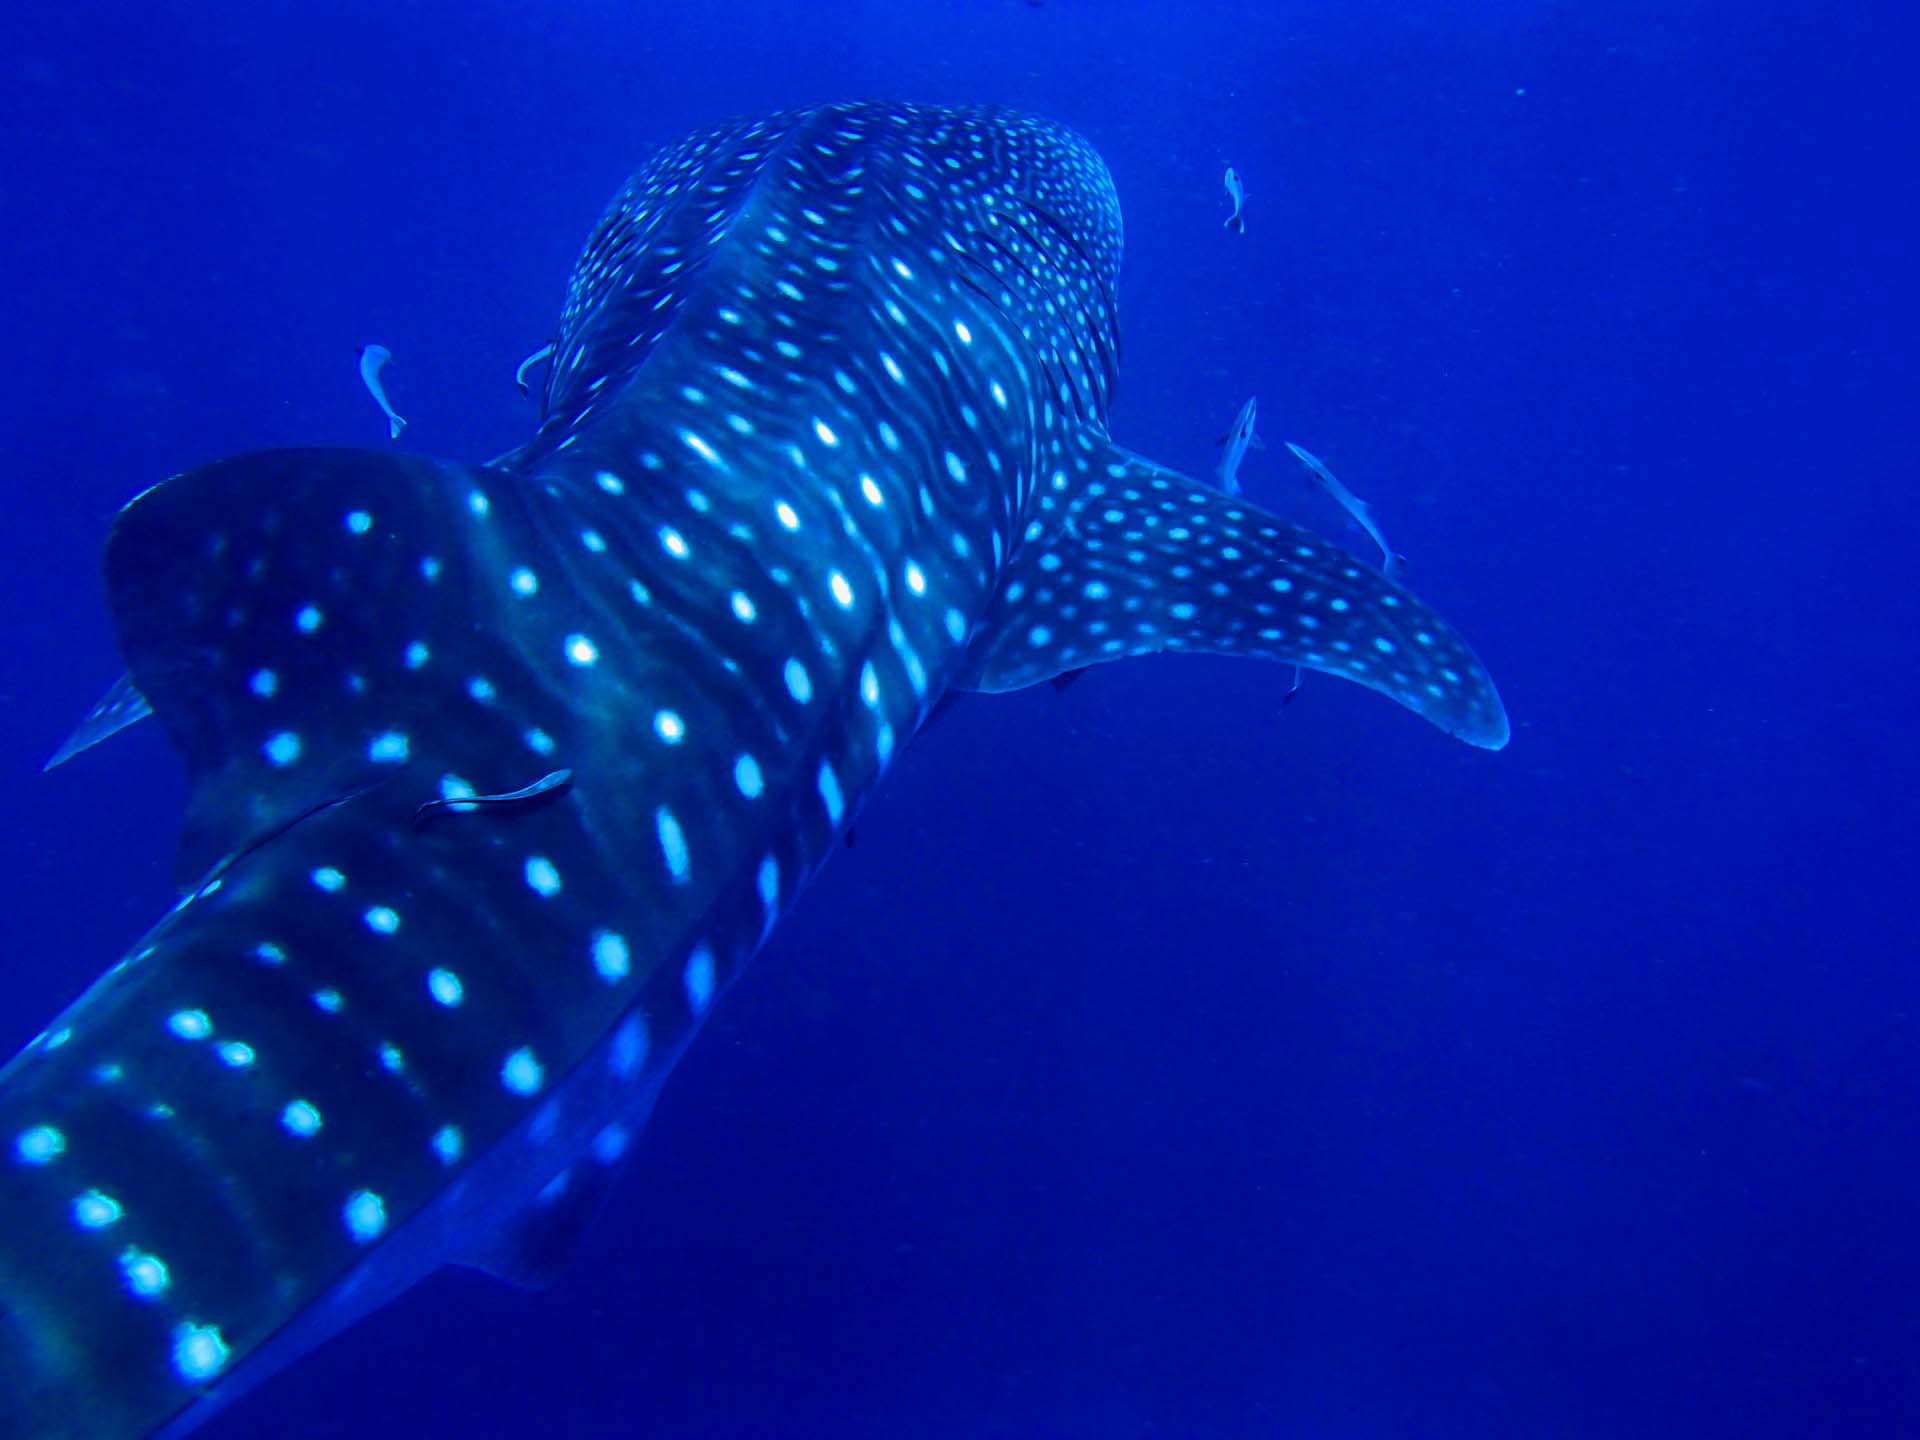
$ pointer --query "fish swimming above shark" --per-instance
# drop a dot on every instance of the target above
(374, 359)
(824, 440)
(1240, 438)
(1237, 198)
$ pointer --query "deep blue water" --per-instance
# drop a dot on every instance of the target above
(1159, 1062)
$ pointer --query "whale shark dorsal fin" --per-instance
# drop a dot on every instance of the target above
(1126, 557)
(245, 593)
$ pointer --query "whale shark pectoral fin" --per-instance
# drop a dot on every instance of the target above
(272, 609)
(121, 706)
(1130, 558)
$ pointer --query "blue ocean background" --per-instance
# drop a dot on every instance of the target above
(1160, 1061)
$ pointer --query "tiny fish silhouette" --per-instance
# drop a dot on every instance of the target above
(374, 359)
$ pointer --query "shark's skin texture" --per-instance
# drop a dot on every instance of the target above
(824, 438)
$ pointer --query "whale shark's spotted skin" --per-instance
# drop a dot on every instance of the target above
(824, 438)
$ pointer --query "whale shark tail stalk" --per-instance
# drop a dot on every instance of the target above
(500, 774)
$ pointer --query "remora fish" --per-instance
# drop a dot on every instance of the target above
(545, 352)
(1237, 197)
(1391, 561)
(1236, 440)
(374, 359)
(826, 439)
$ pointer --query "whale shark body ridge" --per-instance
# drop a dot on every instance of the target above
(823, 439)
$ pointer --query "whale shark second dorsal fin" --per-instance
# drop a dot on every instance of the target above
(1125, 557)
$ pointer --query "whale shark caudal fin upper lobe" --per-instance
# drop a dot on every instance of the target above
(1139, 558)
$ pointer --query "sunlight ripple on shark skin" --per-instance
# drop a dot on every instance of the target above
(824, 438)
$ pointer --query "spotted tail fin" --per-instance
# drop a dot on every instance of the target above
(1131, 558)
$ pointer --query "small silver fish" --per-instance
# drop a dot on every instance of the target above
(1237, 195)
(374, 359)
(1391, 562)
(520, 375)
(1236, 441)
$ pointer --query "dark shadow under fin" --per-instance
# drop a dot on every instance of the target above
(1127, 558)
(255, 600)
(535, 1247)
(121, 706)
(537, 1244)
(1068, 677)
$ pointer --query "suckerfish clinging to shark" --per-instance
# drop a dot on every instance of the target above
(824, 439)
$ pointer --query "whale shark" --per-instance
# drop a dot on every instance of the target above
(500, 773)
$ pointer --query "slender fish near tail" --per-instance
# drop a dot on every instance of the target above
(1391, 561)
(1234, 445)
